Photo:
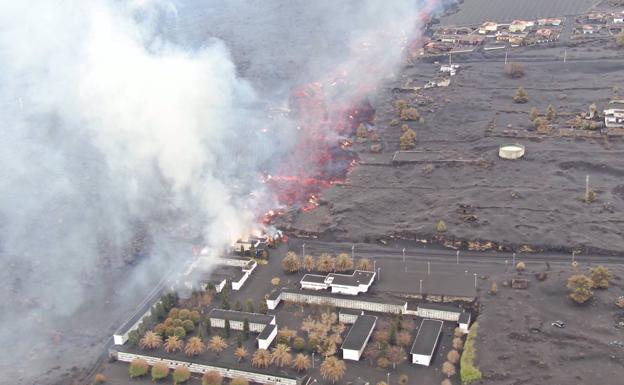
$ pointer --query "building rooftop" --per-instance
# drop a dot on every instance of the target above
(234, 315)
(313, 278)
(266, 332)
(364, 297)
(360, 331)
(435, 306)
(359, 277)
(426, 338)
(273, 296)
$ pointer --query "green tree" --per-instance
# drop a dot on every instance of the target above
(134, 338)
(246, 328)
(250, 306)
(580, 288)
(208, 326)
(299, 343)
(551, 114)
(600, 276)
(392, 335)
(181, 374)
(225, 303)
(533, 114)
(188, 325)
(138, 368)
(521, 96)
(179, 332)
(226, 328)
(160, 370)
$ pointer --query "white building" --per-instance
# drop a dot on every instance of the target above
(464, 322)
(266, 336)
(358, 337)
(426, 341)
(256, 321)
(350, 284)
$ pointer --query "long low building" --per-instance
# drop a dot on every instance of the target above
(367, 303)
(256, 321)
(358, 337)
(426, 341)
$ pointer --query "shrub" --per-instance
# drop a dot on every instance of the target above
(399, 105)
(181, 374)
(514, 70)
(184, 314)
(448, 369)
(239, 381)
(403, 379)
(194, 316)
(138, 368)
(600, 276)
(383, 362)
(212, 378)
(533, 114)
(619, 40)
(458, 343)
(453, 356)
(619, 302)
(409, 113)
(551, 114)
(468, 371)
(580, 288)
(362, 131)
(408, 139)
(441, 226)
(520, 266)
(275, 281)
(174, 313)
(521, 96)
(188, 325)
(99, 379)
(160, 370)
(299, 343)
(179, 332)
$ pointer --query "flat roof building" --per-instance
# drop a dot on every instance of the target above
(426, 341)
(351, 284)
(358, 337)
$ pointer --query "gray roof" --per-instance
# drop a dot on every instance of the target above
(273, 296)
(464, 318)
(359, 277)
(363, 297)
(234, 315)
(360, 332)
(441, 307)
(427, 337)
(313, 278)
(266, 332)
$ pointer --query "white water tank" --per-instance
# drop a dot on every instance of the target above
(511, 151)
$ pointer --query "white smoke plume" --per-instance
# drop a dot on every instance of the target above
(117, 132)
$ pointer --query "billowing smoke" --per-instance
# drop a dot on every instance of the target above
(126, 139)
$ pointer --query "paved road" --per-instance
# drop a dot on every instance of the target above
(436, 253)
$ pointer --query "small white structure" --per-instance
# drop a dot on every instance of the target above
(614, 118)
(451, 69)
(464, 322)
(313, 282)
(266, 336)
(511, 151)
(274, 299)
(438, 312)
(426, 341)
(488, 27)
(358, 337)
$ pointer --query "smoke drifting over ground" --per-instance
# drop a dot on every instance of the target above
(128, 132)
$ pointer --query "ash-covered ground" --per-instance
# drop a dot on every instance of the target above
(534, 201)
(517, 344)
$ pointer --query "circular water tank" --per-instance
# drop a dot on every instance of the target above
(511, 151)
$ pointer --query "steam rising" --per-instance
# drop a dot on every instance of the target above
(113, 135)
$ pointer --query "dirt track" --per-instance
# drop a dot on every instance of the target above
(534, 201)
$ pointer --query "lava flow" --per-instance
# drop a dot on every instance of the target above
(322, 156)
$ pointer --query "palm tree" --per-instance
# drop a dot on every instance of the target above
(308, 263)
(194, 346)
(325, 263)
(344, 262)
(150, 340)
(261, 359)
(364, 264)
(281, 355)
(333, 369)
(241, 353)
(173, 344)
(217, 344)
(301, 362)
